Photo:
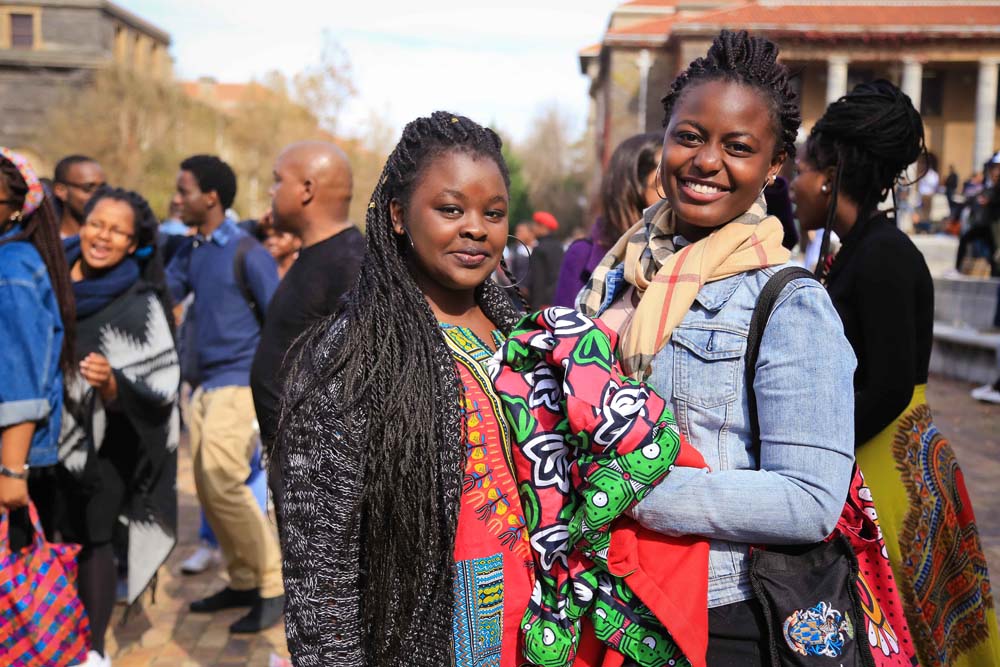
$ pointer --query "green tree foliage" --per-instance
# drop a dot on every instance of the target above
(556, 169)
(140, 128)
(520, 201)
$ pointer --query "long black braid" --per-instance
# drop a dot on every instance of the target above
(752, 61)
(400, 387)
(869, 137)
(41, 229)
(148, 252)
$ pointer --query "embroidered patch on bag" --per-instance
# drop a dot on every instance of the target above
(818, 630)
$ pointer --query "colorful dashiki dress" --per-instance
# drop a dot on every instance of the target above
(494, 565)
(932, 541)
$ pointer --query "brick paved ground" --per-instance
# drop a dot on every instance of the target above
(166, 634)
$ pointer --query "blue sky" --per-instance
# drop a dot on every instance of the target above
(498, 63)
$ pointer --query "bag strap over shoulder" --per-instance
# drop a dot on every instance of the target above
(761, 313)
(245, 244)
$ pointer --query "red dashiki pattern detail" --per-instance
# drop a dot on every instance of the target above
(945, 584)
(494, 566)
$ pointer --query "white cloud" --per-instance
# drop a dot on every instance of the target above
(497, 64)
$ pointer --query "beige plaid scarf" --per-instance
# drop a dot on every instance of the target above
(667, 280)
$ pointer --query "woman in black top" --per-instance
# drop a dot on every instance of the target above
(880, 285)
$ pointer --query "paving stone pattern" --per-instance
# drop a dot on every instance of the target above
(165, 633)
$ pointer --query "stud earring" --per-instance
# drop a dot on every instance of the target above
(825, 189)
(15, 216)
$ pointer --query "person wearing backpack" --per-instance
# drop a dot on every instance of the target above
(233, 278)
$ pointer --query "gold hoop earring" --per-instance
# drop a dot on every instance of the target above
(507, 272)
(659, 181)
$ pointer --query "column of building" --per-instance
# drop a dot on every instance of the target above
(912, 84)
(986, 110)
(836, 77)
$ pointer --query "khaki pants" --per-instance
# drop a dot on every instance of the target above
(222, 442)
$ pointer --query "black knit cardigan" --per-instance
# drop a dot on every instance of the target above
(322, 540)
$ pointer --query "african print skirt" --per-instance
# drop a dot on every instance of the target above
(932, 541)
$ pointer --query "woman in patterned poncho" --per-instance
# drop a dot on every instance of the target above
(118, 447)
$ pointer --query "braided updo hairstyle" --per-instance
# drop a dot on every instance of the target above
(400, 389)
(751, 61)
(869, 136)
(147, 252)
(41, 229)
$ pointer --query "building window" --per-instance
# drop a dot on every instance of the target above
(856, 75)
(22, 31)
(932, 93)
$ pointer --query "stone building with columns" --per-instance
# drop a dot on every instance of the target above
(944, 54)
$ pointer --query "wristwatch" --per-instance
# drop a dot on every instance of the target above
(7, 472)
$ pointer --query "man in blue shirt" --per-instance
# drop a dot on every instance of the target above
(233, 278)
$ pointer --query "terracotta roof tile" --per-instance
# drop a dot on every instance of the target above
(650, 3)
(852, 17)
(224, 96)
(656, 27)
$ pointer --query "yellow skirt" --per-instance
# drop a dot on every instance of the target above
(932, 541)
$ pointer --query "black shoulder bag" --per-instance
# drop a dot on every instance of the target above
(809, 592)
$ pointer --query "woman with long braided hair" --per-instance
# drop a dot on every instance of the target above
(680, 288)
(879, 282)
(36, 327)
(402, 532)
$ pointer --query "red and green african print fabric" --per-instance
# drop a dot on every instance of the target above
(589, 444)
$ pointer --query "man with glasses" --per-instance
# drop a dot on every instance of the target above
(74, 182)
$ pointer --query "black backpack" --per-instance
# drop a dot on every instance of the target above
(245, 245)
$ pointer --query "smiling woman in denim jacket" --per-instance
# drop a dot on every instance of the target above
(680, 288)
(35, 301)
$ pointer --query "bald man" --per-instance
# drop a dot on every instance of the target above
(310, 199)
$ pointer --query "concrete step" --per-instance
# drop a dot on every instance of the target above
(965, 354)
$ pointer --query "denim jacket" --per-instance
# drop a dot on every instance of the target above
(31, 335)
(805, 404)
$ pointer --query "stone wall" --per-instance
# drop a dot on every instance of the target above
(623, 96)
(966, 302)
(26, 93)
(77, 29)
(74, 41)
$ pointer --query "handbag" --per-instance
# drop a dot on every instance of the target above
(42, 621)
(808, 593)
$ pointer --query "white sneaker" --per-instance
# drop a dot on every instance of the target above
(202, 559)
(987, 393)
(95, 659)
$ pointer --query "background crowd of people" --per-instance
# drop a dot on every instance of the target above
(351, 373)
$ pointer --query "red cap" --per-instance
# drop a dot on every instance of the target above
(546, 219)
